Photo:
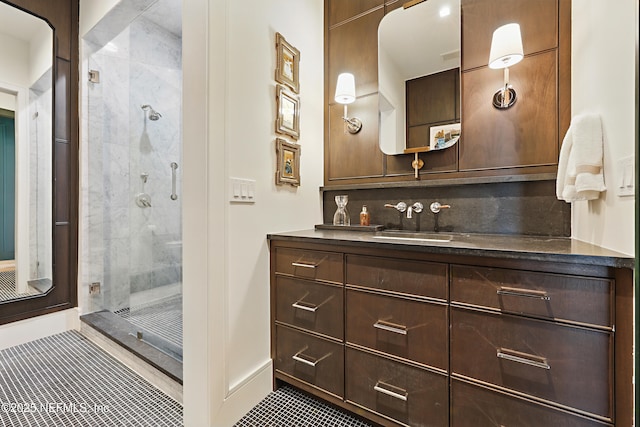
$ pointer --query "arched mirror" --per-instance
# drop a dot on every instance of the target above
(26, 141)
(419, 77)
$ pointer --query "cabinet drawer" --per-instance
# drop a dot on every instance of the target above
(476, 406)
(315, 265)
(408, 329)
(310, 305)
(310, 359)
(569, 365)
(419, 278)
(552, 296)
(404, 393)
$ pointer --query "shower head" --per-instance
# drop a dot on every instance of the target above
(153, 114)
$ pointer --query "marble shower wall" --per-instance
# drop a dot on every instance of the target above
(40, 170)
(128, 248)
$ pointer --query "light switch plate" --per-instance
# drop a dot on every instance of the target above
(625, 177)
(242, 190)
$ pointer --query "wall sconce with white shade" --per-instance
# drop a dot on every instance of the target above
(346, 94)
(506, 51)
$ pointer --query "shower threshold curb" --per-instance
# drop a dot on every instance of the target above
(123, 333)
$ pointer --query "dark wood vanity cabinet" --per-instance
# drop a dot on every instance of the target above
(308, 293)
(410, 338)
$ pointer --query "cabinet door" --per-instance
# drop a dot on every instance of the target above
(314, 360)
(309, 305)
(404, 393)
(398, 276)
(566, 365)
(585, 300)
(477, 406)
(411, 330)
(307, 264)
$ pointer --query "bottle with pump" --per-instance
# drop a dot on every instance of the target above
(364, 216)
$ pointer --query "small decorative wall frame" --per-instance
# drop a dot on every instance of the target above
(288, 64)
(288, 120)
(288, 163)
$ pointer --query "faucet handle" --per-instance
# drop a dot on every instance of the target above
(418, 207)
(436, 207)
(401, 206)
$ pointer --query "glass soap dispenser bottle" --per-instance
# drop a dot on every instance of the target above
(364, 216)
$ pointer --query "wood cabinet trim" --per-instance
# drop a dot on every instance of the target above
(309, 332)
(396, 169)
(353, 18)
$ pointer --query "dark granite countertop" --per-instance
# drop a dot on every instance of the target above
(536, 248)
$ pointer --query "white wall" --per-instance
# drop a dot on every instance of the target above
(23, 331)
(603, 81)
(15, 71)
(7, 101)
(40, 52)
(229, 131)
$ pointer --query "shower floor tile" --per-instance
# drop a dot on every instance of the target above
(162, 318)
(65, 380)
(289, 407)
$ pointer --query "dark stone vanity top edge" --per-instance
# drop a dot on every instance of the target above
(534, 248)
(448, 182)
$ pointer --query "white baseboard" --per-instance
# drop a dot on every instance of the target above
(266, 366)
(244, 395)
(23, 331)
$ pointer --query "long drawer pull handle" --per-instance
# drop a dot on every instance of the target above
(305, 361)
(306, 306)
(524, 358)
(400, 396)
(308, 360)
(391, 327)
(300, 264)
(526, 293)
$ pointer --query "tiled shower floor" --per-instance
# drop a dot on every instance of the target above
(66, 380)
(162, 318)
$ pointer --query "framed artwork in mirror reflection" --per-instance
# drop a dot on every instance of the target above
(288, 63)
(288, 163)
(288, 106)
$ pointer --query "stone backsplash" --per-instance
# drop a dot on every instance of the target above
(526, 208)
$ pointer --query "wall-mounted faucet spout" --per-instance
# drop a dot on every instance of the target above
(416, 207)
(153, 114)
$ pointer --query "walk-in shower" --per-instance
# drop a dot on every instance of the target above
(132, 244)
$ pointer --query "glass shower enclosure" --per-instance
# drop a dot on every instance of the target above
(132, 200)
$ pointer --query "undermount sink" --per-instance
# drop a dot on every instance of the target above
(418, 236)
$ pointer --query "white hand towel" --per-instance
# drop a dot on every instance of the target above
(580, 172)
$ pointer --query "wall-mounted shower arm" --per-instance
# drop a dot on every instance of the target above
(153, 114)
